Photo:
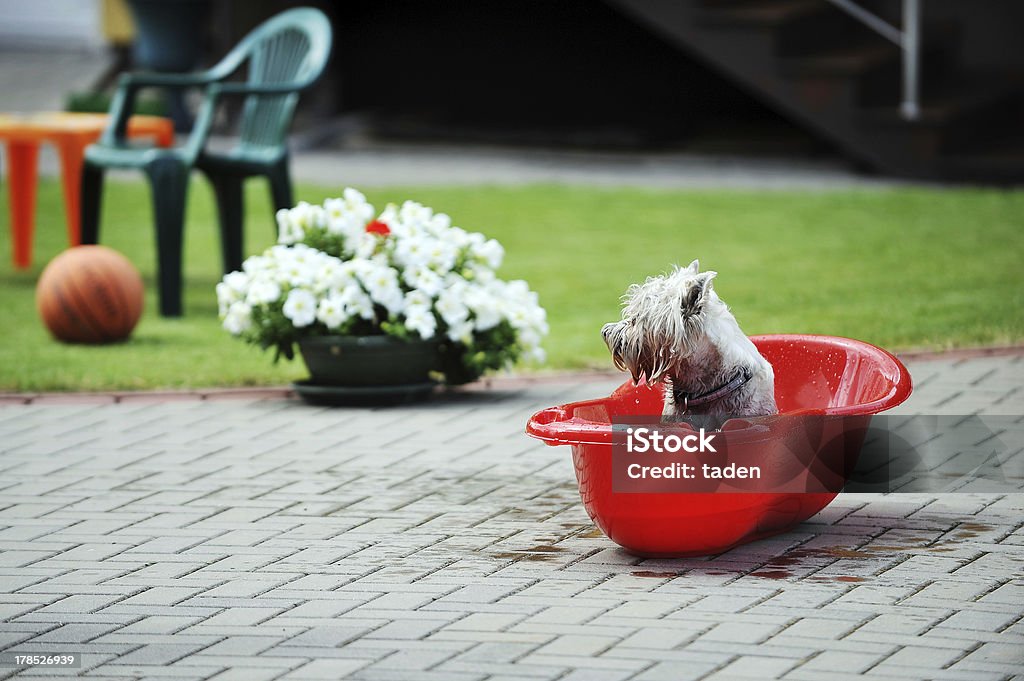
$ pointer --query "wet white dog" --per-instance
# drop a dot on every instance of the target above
(677, 331)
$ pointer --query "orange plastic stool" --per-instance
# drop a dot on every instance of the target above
(70, 133)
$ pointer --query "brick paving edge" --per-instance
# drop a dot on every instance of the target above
(491, 383)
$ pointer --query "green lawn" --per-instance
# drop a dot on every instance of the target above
(903, 268)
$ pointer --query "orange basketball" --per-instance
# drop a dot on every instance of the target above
(90, 294)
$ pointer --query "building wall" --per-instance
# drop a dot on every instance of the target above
(51, 24)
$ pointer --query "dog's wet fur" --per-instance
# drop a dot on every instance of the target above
(675, 330)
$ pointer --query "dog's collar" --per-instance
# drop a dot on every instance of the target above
(739, 379)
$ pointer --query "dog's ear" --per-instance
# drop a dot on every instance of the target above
(694, 267)
(627, 350)
(697, 294)
(633, 363)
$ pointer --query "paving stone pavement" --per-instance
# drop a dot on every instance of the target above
(264, 539)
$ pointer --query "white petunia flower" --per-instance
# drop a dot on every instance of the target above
(424, 279)
(441, 256)
(238, 318)
(457, 237)
(414, 299)
(257, 264)
(422, 321)
(537, 355)
(412, 251)
(348, 216)
(451, 308)
(354, 197)
(485, 307)
(461, 332)
(482, 275)
(263, 291)
(357, 303)
(518, 289)
(300, 307)
(439, 224)
(476, 240)
(363, 245)
(378, 277)
(389, 216)
(225, 296)
(529, 338)
(340, 274)
(415, 215)
(237, 281)
(331, 311)
(486, 318)
(491, 253)
(382, 283)
(306, 217)
(337, 216)
(287, 231)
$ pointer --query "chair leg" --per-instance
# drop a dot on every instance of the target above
(230, 207)
(280, 186)
(72, 155)
(169, 182)
(92, 200)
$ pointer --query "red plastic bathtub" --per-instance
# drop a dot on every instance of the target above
(820, 375)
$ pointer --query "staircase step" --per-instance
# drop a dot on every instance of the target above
(876, 65)
(727, 3)
(797, 27)
(844, 61)
(765, 14)
(967, 95)
(959, 119)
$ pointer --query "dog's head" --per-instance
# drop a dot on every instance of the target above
(662, 322)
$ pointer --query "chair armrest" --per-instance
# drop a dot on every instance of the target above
(141, 79)
(121, 106)
(120, 109)
(246, 89)
(130, 83)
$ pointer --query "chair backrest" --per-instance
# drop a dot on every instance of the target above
(291, 48)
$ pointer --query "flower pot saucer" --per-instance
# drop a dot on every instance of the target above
(362, 396)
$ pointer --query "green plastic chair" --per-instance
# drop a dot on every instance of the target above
(285, 55)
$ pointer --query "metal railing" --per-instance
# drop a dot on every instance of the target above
(908, 40)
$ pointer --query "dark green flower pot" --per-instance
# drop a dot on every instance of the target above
(450, 362)
(368, 361)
